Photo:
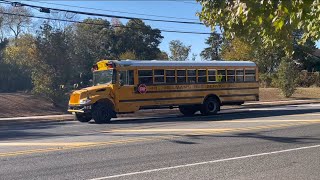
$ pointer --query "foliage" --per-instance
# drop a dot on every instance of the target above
(51, 77)
(212, 52)
(304, 53)
(141, 39)
(287, 77)
(237, 50)
(267, 59)
(264, 22)
(128, 55)
(268, 80)
(13, 76)
(179, 51)
(163, 56)
(307, 79)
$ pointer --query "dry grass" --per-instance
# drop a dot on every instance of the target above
(274, 94)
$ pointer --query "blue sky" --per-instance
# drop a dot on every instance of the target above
(178, 8)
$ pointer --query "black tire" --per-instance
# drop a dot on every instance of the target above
(188, 110)
(210, 106)
(102, 113)
(83, 117)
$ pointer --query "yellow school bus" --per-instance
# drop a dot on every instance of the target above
(126, 86)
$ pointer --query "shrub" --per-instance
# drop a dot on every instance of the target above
(287, 77)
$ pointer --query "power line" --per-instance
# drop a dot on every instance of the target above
(81, 22)
(46, 9)
(106, 10)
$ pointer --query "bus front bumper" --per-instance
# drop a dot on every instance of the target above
(79, 109)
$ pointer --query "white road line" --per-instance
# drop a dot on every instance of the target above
(205, 162)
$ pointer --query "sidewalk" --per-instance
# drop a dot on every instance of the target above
(156, 113)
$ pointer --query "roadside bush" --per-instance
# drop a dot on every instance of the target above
(287, 77)
(268, 80)
(307, 79)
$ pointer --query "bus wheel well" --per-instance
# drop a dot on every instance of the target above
(105, 101)
(212, 96)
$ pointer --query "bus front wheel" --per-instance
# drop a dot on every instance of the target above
(188, 110)
(83, 117)
(210, 106)
(102, 113)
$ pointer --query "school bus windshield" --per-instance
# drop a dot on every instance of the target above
(102, 77)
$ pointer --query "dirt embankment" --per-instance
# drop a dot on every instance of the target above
(22, 104)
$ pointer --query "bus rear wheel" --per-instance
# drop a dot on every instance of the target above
(210, 106)
(83, 117)
(102, 113)
(188, 110)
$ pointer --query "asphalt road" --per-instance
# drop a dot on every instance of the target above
(263, 143)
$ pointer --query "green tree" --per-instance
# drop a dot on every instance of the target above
(163, 56)
(237, 49)
(140, 38)
(128, 55)
(213, 51)
(52, 75)
(179, 51)
(264, 22)
(304, 53)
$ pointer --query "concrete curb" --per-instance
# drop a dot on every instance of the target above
(69, 117)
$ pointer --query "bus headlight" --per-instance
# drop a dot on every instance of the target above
(85, 101)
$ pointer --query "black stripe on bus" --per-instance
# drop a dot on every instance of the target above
(176, 98)
(160, 99)
(235, 95)
(211, 89)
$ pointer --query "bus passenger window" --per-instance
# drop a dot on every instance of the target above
(131, 77)
(202, 75)
(123, 77)
(211, 75)
(230, 75)
(145, 76)
(192, 76)
(126, 77)
(181, 76)
(170, 76)
(221, 76)
(250, 75)
(239, 75)
(158, 76)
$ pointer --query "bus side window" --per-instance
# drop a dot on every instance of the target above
(145, 77)
(221, 76)
(239, 75)
(230, 75)
(202, 76)
(170, 76)
(192, 75)
(181, 76)
(158, 76)
(211, 75)
(127, 77)
(250, 75)
(131, 77)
